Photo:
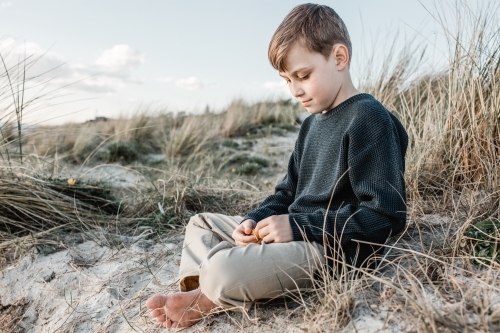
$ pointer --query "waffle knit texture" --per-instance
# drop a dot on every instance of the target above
(345, 179)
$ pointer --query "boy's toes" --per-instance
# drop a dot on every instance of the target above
(161, 318)
(156, 301)
(158, 312)
(169, 324)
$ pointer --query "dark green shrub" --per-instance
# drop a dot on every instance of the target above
(482, 240)
(230, 144)
(247, 165)
(120, 151)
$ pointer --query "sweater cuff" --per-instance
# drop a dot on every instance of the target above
(246, 218)
(300, 229)
(250, 217)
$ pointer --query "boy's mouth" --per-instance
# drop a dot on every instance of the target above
(306, 103)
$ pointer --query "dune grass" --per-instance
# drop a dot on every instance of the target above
(441, 275)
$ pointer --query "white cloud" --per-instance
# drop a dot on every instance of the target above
(110, 71)
(278, 86)
(5, 4)
(166, 79)
(38, 61)
(120, 60)
(191, 83)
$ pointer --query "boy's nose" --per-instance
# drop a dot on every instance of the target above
(296, 89)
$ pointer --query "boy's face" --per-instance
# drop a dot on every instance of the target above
(312, 79)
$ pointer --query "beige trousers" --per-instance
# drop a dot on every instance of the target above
(235, 276)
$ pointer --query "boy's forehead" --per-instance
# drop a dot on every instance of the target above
(299, 58)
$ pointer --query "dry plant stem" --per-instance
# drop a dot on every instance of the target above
(19, 103)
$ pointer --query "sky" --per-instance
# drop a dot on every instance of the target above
(116, 57)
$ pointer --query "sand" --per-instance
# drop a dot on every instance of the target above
(94, 288)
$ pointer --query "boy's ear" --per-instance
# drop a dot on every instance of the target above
(341, 56)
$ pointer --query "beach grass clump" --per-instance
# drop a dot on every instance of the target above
(120, 151)
(177, 136)
(32, 205)
(191, 138)
(177, 195)
(482, 240)
(451, 114)
(243, 119)
(230, 144)
(247, 165)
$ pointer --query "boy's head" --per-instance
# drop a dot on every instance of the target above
(311, 49)
(316, 27)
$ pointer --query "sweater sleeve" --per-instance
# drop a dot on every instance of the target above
(376, 176)
(283, 197)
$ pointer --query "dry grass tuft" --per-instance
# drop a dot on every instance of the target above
(11, 315)
(192, 137)
(243, 119)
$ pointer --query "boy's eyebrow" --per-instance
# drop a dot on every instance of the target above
(296, 71)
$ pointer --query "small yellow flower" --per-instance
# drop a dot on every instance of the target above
(71, 181)
(233, 170)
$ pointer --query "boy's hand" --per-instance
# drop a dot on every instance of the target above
(243, 235)
(275, 229)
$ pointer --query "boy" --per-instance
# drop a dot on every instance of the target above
(344, 186)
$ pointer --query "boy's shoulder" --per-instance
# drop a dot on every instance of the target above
(366, 109)
(371, 121)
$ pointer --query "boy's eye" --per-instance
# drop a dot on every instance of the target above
(305, 77)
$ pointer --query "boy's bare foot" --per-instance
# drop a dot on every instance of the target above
(180, 309)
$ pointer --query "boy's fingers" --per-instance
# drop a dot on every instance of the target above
(261, 224)
(240, 231)
(263, 232)
(248, 223)
(250, 239)
(268, 239)
(246, 239)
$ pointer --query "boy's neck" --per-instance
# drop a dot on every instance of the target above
(346, 91)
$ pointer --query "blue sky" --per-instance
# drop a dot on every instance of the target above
(121, 55)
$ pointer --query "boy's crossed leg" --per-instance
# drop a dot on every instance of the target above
(214, 272)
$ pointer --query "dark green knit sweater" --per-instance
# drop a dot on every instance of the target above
(355, 151)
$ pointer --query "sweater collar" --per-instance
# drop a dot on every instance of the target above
(341, 106)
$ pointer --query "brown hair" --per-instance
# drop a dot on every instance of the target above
(317, 27)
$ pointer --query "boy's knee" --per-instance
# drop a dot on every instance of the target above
(196, 220)
(217, 265)
(220, 271)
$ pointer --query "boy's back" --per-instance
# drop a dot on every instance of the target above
(347, 163)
